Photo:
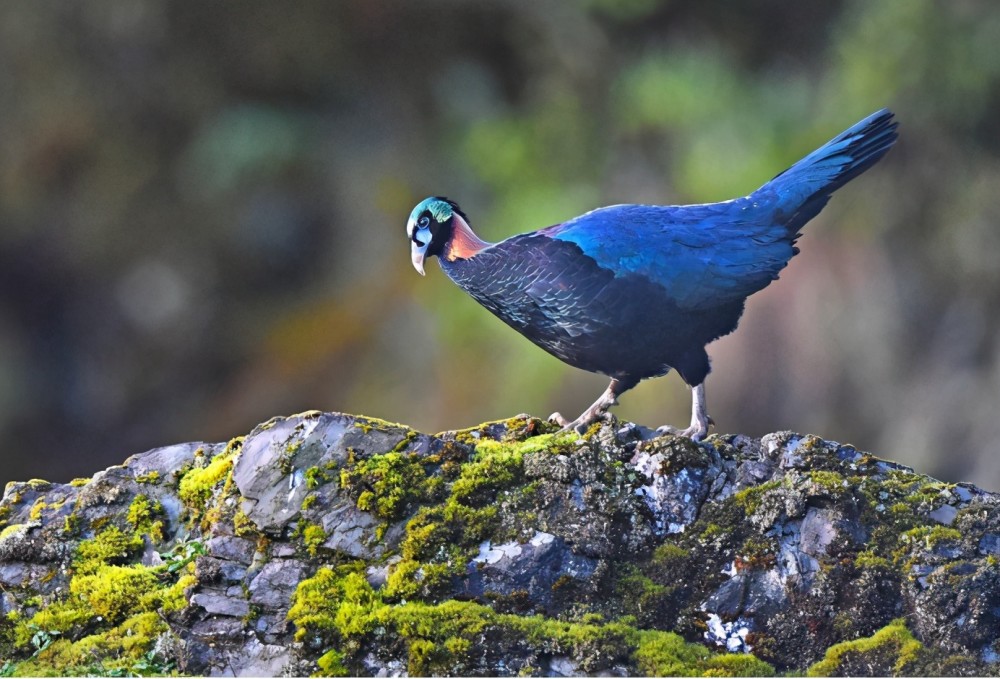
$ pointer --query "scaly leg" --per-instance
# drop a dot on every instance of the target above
(700, 421)
(595, 412)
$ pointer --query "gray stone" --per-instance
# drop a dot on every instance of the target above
(351, 531)
(221, 604)
(818, 531)
(261, 660)
(990, 544)
(232, 548)
(728, 599)
(274, 585)
(533, 567)
(944, 514)
(168, 460)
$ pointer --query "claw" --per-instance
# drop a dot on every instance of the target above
(700, 420)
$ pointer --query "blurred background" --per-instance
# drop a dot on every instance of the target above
(202, 211)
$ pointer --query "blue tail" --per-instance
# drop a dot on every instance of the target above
(803, 189)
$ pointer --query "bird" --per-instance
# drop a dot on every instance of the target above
(632, 291)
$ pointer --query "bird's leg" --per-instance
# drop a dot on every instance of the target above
(700, 421)
(595, 412)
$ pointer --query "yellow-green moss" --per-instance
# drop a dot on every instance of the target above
(13, 528)
(152, 477)
(36, 509)
(314, 536)
(751, 498)
(110, 547)
(830, 482)
(111, 617)
(79, 482)
(197, 484)
(869, 559)
(146, 517)
(389, 485)
(316, 477)
(243, 524)
(890, 650)
(339, 608)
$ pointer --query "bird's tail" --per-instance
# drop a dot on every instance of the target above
(805, 187)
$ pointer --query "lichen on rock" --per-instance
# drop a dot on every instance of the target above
(332, 544)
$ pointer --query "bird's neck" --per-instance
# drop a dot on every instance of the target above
(464, 243)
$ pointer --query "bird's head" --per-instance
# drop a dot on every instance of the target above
(430, 227)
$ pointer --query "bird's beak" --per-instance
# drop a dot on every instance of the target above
(418, 254)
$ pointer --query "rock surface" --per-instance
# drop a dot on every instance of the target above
(332, 544)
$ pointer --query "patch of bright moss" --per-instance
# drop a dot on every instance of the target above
(36, 509)
(751, 498)
(79, 482)
(930, 536)
(889, 651)
(146, 517)
(196, 484)
(316, 477)
(110, 620)
(314, 536)
(339, 609)
(869, 559)
(110, 547)
(152, 476)
(830, 482)
(389, 485)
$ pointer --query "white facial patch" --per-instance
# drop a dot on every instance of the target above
(422, 236)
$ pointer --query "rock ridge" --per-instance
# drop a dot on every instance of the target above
(332, 544)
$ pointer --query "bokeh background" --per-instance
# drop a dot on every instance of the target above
(202, 211)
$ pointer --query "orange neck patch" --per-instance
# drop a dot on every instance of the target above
(464, 243)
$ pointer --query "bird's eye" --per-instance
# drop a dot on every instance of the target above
(424, 222)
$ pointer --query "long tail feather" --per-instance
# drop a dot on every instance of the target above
(805, 187)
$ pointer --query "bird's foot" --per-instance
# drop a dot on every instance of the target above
(582, 423)
(696, 432)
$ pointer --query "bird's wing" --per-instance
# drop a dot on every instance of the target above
(702, 255)
(533, 281)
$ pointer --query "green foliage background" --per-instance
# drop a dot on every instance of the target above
(202, 209)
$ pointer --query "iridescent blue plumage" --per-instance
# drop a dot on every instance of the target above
(632, 291)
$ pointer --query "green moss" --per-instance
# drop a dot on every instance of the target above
(71, 525)
(150, 477)
(340, 609)
(869, 559)
(930, 536)
(243, 524)
(146, 517)
(79, 483)
(197, 484)
(36, 509)
(113, 591)
(314, 536)
(668, 553)
(110, 619)
(331, 664)
(830, 482)
(110, 547)
(308, 502)
(389, 485)
(751, 498)
(316, 477)
(736, 665)
(889, 651)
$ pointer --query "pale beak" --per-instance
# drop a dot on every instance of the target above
(417, 254)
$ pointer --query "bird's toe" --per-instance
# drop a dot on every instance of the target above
(693, 433)
(557, 418)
